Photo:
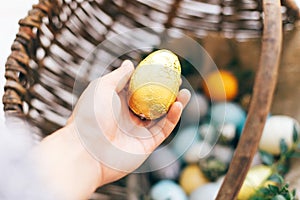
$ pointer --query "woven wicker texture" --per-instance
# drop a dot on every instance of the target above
(58, 38)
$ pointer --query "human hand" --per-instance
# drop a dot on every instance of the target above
(111, 133)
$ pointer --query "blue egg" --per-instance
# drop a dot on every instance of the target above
(228, 113)
(184, 139)
(208, 191)
(167, 189)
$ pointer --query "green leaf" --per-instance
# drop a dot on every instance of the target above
(283, 146)
(295, 134)
(294, 192)
(277, 178)
(279, 197)
(267, 158)
(282, 168)
(295, 155)
(274, 189)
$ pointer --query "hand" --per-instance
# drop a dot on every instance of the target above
(114, 136)
(102, 141)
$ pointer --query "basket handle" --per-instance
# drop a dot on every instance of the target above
(261, 101)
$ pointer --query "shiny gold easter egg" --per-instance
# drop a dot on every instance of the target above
(154, 85)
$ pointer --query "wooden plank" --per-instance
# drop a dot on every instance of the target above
(263, 91)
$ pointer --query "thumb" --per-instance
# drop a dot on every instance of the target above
(120, 76)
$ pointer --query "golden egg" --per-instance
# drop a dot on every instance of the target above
(191, 178)
(221, 85)
(256, 178)
(154, 85)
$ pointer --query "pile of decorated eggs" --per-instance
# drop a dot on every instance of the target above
(196, 158)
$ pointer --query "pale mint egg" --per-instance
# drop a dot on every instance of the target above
(195, 109)
(278, 127)
(184, 139)
(167, 190)
(228, 113)
(208, 191)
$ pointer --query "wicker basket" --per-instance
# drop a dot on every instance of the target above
(57, 36)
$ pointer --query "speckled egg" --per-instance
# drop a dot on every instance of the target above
(164, 164)
(221, 85)
(213, 168)
(208, 191)
(278, 127)
(195, 109)
(167, 189)
(191, 178)
(228, 113)
(184, 139)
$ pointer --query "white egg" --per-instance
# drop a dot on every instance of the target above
(195, 109)
(278, 127)
(167, 189)
(208, 133)
(164, 164)
(197, 151)
(256, 160)
(206, 192)
(223, 153)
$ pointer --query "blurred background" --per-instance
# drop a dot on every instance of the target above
(10, 13)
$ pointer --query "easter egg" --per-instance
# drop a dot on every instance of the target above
(278, 127)
(191, 178)
(221, 85)
(256, 160)
(223, 153)
(213, 168)
(226, 133)
(154, 84)
(208, 191)
(164, 164)
(195, 109)
(208, 133)
(184, 139)
(255, 178)
(198, 150)
(167, 189)
(228, 113)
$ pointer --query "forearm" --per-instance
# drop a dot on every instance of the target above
(65, 167)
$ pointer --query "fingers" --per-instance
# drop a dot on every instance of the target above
(183, 97)
(120, 76)
(166, 125)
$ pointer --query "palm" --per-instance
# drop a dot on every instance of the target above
(128, 139)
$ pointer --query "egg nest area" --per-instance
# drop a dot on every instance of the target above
(192, 162)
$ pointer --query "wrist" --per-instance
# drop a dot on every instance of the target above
(65, 166)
